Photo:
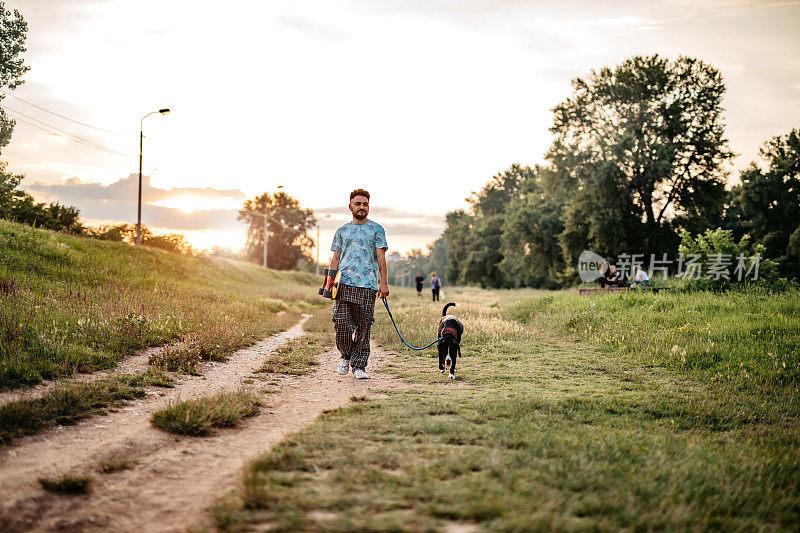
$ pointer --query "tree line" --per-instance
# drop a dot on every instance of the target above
(639, 158)
(289, 244)
(18, 206)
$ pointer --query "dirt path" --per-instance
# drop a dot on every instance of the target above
(176, 478)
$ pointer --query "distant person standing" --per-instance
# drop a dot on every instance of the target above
(359, 253)
(436, 284)
(419, 279)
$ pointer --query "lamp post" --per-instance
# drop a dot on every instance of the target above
(266, 225)
(326, 216)
(164, 111)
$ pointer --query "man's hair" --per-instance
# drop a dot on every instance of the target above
(359, 192)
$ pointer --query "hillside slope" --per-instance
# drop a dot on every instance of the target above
(71, 304)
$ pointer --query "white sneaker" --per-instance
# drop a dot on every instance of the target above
(360, 374)
(344, 366)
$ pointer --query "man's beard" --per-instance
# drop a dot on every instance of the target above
(359, 215)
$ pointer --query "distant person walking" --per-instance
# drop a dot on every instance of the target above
(359, 253)
(419, 279)
(436, 284)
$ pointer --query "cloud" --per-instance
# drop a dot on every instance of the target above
(412, 230)
(387, 215)
(311, 28)
(405, 230)
(118, 201)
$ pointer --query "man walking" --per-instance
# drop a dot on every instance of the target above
(359, 252)
(436, 284)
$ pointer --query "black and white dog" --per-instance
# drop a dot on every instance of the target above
(450, 330)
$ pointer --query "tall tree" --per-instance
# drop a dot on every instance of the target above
(16, 204)
(9, 192)
(641, 144)
(289, 224)
(457, 234)
(494, 197)
(529, 244)
(766, 205)
(13, 32)
(473, 239)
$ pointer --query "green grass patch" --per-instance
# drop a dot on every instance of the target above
(81, 305)
(67, 484)
(69, 403)
(116, 463)
(750, 335)
(201, 416)
(538, 433)
(299, 355)
(158, 378)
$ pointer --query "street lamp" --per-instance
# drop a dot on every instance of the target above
(164, 111)
(326, 216)
(266, 224)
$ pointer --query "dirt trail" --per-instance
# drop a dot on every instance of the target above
(176, 478)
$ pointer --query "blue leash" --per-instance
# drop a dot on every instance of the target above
(398, 331)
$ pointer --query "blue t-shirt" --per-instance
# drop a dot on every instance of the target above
(359, 245)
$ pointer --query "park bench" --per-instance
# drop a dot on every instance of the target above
(592, 290)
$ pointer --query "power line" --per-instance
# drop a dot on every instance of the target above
(73, 140)
(56, 128)
(70, 136)
(58, 114)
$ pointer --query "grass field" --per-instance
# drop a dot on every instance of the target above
(72, 305)
(626, 411)
(636, 411)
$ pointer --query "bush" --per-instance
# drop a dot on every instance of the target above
(714, 261)
(19, 206)
(178, 357)
(173, 242)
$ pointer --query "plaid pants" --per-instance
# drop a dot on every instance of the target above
(353, 312)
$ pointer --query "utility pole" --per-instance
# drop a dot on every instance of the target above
(318, 243)
(139, 209)
(266, 226)
(266, 222)
(164, 111)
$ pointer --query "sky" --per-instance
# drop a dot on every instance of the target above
(419, 101)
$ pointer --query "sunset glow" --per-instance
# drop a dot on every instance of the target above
(419, 102)
(190, 204)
